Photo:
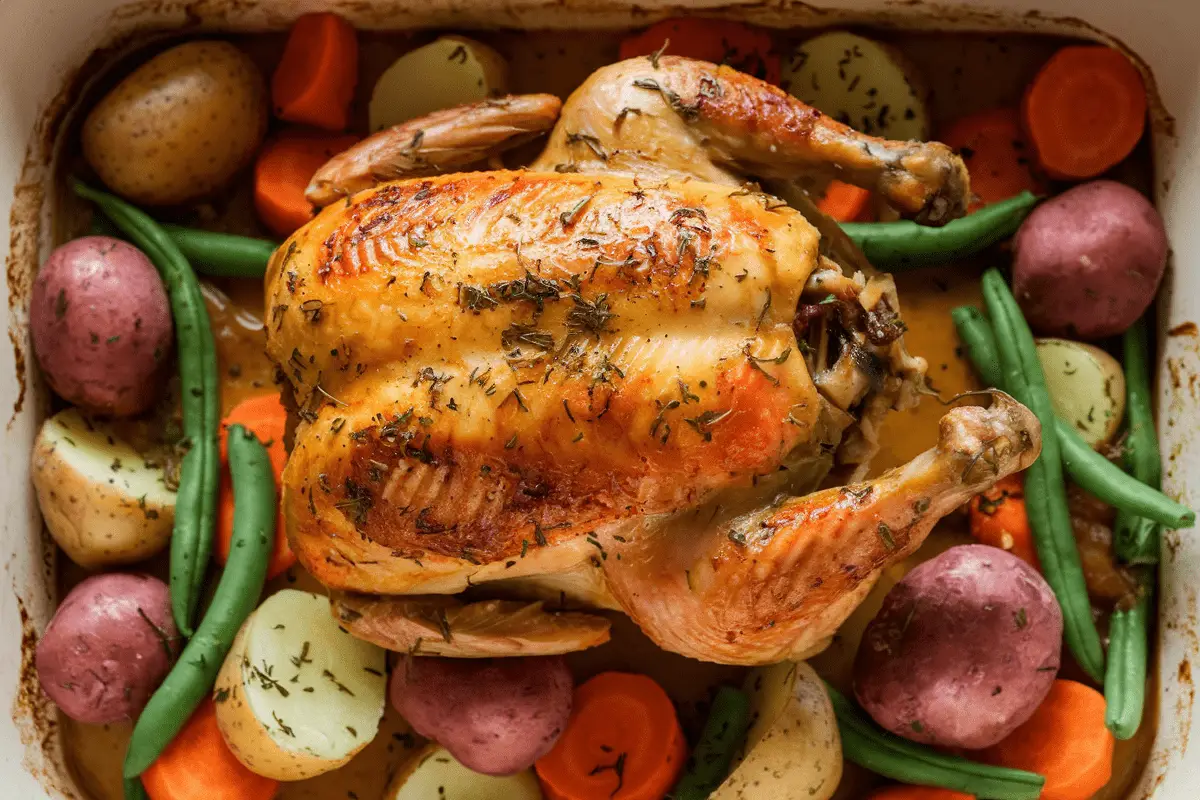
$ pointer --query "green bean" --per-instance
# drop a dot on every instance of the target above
(1089, 469)
(1107, 481)
(906, 244)
(1136, 537)
(888, 755)
(134, 790)
(195, 503)
(976, 334)
(237, 594)
(1045, 492)
(221, 255)
(1125, 681)
(723, 733)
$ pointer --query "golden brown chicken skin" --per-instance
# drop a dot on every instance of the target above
(492, 363)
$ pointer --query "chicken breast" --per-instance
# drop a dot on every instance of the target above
(490, 364)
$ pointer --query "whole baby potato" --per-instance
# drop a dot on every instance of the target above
(1088, 263)
(101, 325)
(963, 650)
(179, 126)
(496, 716)
(108, 647)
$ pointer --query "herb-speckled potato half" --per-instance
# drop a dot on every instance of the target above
(449, 71)
(793, 749)
(865, 84)
(101, 501)
(1087, 387)
(180, 126)
(434, 774)
(297, 696)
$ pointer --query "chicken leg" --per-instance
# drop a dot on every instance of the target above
(775, 583)
(660, 118)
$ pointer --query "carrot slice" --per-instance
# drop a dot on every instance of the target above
(999, 518)
(266, 418)
(918, 793)
(846, 202)
(1065, 740)
(198, 765)
(623, 741)
(285, 166)
(1084, 111)
(314, 82)
(993, 147)
(741, 46)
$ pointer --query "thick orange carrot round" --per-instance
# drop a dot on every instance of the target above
(720, 41)
(998, 518)
(1084, 111)
(918, 793)
(266, 418)
(1065, 740)
(285, 166)
(198, 765)
(623, 741)
(993, 147)
(846, 202)
(314, 82)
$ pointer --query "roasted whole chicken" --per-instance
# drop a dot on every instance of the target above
(626, 378)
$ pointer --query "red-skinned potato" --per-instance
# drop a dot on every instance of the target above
(496, 716)
(963, 650)
(101, 325)
(109, 646)
(1088, 262)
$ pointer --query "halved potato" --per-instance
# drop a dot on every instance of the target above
(102, 503)
(434, 774)
(866, 84)
(793, 749)
(297, 695)
(1087, 387)
(448, 71)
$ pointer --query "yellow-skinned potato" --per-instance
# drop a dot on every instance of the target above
(101, 502)
(297, 695)
(434, 773)
(866, 84)
(792, 749)
(449, 71)
(1087, 387)
(180, 126)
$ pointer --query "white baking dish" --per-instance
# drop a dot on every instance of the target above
(45, 62)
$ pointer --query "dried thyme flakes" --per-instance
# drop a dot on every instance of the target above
(589, 317)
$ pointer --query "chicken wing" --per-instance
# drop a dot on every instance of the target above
(445, 626)
(449, 140)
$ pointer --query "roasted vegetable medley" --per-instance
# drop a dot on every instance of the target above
(975, 620)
